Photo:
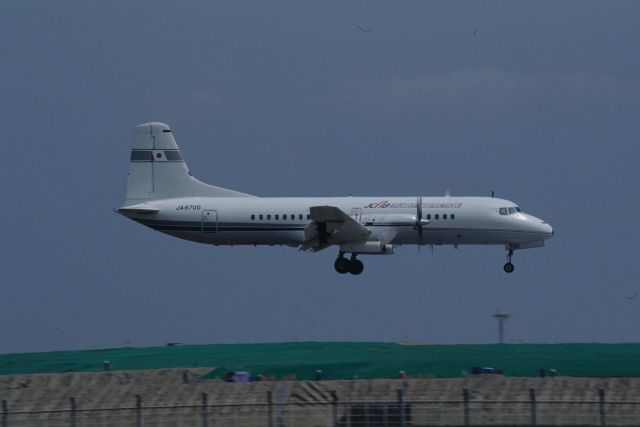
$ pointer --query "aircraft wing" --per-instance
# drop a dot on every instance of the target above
(331, 225)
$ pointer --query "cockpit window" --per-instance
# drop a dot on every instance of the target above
(509, 211)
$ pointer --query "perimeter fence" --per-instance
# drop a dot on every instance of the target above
(401, 412)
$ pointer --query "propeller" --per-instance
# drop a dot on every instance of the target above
(419, 222)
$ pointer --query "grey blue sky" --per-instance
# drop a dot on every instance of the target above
(538, 101)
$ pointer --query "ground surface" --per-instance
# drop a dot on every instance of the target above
(345, 360)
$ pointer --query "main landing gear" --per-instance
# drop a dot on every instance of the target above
(344, 265)
(508, 267)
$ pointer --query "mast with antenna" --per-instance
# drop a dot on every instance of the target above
(501, 317)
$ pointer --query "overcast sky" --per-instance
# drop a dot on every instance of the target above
(537, 101)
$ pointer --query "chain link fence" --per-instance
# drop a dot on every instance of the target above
(341, 413)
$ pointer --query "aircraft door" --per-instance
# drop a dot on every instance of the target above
(210, 221)
(356, 213)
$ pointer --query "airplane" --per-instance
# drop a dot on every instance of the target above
(163, 195)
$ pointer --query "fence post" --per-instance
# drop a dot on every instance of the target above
(139, 420)
(5, 413)
(601, 398)
(532, 397)
(400, 407)
(72, 414)
(205, 405)
(465, 398)
(334, 407)
(270, 408)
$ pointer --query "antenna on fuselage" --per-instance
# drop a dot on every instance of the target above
(493, 193)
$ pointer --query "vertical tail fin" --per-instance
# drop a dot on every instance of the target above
(157, 170)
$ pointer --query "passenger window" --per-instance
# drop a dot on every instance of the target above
(437, 216)
(503, 211)
(428, 216)
(253, 217)
(277, 216)
(453, 216)
(300, 216)
(512, 211)
(261, 217)
(269, 216)
(293, 216)
(284, 216)
(308, 216)
(444, 216)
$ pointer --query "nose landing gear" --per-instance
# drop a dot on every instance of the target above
(344, 265)
(508, 267)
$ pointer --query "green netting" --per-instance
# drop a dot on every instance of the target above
(344, 360)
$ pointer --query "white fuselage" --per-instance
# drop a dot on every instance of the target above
(162, 194)
(391, 220)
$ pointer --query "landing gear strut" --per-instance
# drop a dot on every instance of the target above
(344, 265)
(508, 267)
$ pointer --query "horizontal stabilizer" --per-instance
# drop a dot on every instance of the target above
(138, 210)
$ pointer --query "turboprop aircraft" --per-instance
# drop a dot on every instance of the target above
(162, 194)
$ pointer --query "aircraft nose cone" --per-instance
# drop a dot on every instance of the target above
(539, 227)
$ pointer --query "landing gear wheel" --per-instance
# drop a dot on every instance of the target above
(342, 265)
(355, 267)
(508, 267)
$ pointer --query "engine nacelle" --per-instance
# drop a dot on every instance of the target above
(392, 219)
(372, 248)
